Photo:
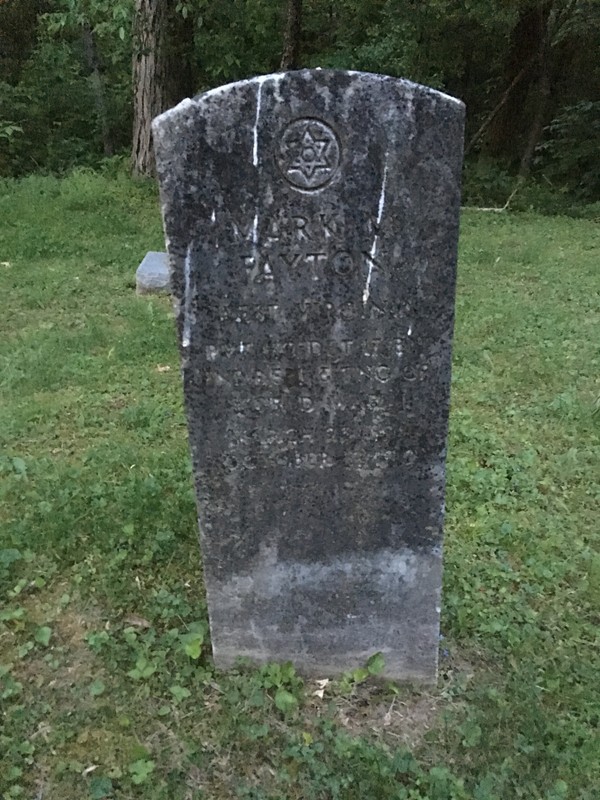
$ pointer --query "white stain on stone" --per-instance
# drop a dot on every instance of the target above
(380, 210)
(173, 112)
(260, 81)
(255, 149)
(271, 578)
(213, 217)
(410, 101)
(381, 204)
(255, 234)
(241, 347)
(446, 97)
(410, 110)
(187, 299)
(409, 333)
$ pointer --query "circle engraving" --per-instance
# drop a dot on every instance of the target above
(309, 154)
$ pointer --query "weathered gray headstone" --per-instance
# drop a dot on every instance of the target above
(152, 276)
(312, 222)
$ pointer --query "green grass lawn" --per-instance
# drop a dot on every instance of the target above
(107, 688)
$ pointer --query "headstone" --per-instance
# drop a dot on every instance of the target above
(312, 222)
(152, 276)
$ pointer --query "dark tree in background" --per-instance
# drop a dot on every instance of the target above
(92, 60)
(18, 34)
(291, 36)
(162, 74)
(538, 70)
(526, 71)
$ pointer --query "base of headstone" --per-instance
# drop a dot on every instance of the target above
(153, 275)
(328, 617)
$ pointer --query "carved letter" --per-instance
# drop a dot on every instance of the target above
(300, 228)
(343, 262)
(291, 259)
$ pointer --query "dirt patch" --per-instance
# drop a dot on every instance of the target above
(402, 719)
(67, 661)
(405, 719)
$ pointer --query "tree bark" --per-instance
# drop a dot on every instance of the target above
(179, 50)
(508, 127)
(542, 99)
(93, 64)
(291, 37)
(148, 81)
(162, 72)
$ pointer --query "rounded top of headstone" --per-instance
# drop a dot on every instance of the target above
(313, 77)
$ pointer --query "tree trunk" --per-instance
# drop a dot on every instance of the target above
(496, 110)
(543, 93)
(291, 37)
(93, 64)
(148, 80)
(179, 52)
(527, 42)
(162, 73)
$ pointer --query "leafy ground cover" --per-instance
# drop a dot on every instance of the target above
(106, 683)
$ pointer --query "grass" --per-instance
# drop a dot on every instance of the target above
(106, 683)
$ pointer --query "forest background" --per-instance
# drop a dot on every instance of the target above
(81, 79)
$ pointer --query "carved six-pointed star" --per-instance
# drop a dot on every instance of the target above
(312, 155)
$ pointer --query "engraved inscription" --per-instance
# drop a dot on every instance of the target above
(260, 363)
(309, 154)
(259, 359)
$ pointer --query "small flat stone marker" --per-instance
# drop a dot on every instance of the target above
(152, 275)
(312, 224)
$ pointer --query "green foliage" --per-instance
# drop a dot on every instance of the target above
(53, 118)
(376, 664)
(9, 130)
(351, 680)
(42, 635)
(141, 770)
(194, 639)
(569, 155)
(488, 185)
(433, 43)
(101, 787)
(485, 183)
(237, 39)
(106, 17)
(336, 765)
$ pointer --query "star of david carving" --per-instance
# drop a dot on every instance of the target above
(312, 155)
(309, 154)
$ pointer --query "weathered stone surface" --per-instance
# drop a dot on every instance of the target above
(152, 275)
(312, 221)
